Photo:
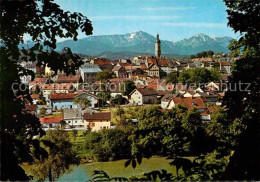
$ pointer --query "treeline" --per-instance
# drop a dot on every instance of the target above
(202, 54)
(194, 75)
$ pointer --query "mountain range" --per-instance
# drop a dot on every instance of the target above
(141, 43)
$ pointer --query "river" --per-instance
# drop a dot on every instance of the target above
(83, 172)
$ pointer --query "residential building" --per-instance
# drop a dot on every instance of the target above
(164, 67)
(73, 79)
(73, 118)
(119, 71)
(191, 102)
(97, 121)
(225, 67)
(48, 89)
(65, 100)
(50, 122)
(89, 72)
(165, 100)
(141, 96)
(102, 63)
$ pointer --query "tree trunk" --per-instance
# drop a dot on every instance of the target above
(50, 176)
(177, 168)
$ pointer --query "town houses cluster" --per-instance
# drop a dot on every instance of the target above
(72, 100)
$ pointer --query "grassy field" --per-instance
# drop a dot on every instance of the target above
(54, 115)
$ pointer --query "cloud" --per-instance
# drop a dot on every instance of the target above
(134, 17)
(197, 25)
(167, 8)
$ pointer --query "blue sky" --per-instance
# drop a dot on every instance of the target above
(173, 19)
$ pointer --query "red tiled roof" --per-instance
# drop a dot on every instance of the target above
(38, 80)
(97, 116)
(146, 91)
(102, 61)
(118, 79)
(189, 102)
(35, 96)
(68, 79)
(32, 107)
(163, 92)
(54, 96)
(152, 61)
(225, 64)
(54, 86)
(143, 66)
(153, 86)
(46, 120)
(163, 62)
(124, 64)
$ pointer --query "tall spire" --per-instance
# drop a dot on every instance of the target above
(158, 47)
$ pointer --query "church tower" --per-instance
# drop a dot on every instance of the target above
(157, 47)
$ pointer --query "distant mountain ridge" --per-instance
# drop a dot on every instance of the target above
(141, 43)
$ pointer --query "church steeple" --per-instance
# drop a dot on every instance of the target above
(158, 47)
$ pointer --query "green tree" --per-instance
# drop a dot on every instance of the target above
(172, 78)
(60, 156)
(242, 104)
(181, 126)
(82, 102)
(108, 145)
(192, 57)
(215, 74)
(41, 100)
(74, 134)
(105, 75)
(43, 21)
(127, 87)
(197, 75)
(104, 96)
(37, 89)
(210, 53)
(42, 111)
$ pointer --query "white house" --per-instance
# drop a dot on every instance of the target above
(73, 118)
(141, 96)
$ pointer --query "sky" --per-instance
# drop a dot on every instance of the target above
(174, 20)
